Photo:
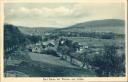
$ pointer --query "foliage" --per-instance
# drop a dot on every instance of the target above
(100, 35)
(108, 62)
(85, 56)
(67, 47)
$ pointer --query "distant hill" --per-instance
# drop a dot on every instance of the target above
(99, 23)
(106, 25)
(35, 31)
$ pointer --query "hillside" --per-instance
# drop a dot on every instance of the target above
(99, 23)
(107, 25)
(35, 31)
(12, 36)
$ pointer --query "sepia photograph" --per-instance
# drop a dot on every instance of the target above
(64, 39)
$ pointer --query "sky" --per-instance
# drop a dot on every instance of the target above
(60, 14)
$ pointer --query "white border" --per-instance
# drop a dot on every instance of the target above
(40, 79)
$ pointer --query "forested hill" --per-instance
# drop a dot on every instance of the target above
(100, 23)
(13, 36)
(105, 25)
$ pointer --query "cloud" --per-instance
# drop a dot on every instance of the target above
(61, 15)
(44, 11)
(60, 11)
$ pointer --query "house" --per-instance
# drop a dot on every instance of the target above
(48, 44)
(37, 49)
(82, 47)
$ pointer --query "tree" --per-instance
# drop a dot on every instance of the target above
(73, 46)
(67, 47)
(63, 50)
(107, 63)
(85, 57)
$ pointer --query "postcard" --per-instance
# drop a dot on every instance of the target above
(80, 41)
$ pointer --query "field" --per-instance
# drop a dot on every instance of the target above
(97, 42)
(48, 67)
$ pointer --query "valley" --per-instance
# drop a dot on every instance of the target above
(93, 48)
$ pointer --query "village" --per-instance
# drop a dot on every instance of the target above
(42, 47)
(70, 50)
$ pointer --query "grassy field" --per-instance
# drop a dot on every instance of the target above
(48, 66)
(88, 41)
(95, 41)
(50, 59)
(41, 69)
